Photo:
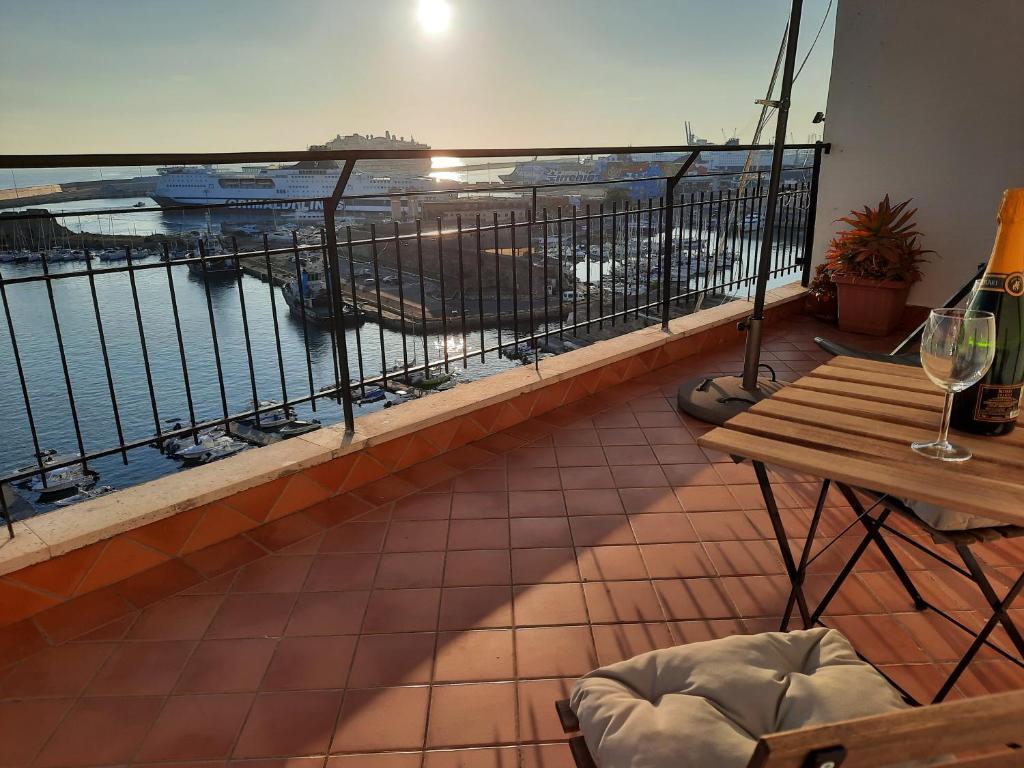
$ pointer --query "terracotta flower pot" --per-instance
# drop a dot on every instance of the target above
(873, 307)
(822, 306)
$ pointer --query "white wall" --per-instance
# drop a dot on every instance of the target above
(926, 100)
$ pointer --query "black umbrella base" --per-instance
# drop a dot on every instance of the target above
(717, 399)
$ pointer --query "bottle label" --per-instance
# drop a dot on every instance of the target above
(997, 403)
(1012, 284)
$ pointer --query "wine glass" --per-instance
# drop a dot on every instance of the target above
(972, 293)
(957, 348)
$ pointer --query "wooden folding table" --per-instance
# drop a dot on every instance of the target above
(851, 422)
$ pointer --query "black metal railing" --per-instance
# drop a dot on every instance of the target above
(111, 358)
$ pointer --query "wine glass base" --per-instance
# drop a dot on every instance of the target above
(941, 450)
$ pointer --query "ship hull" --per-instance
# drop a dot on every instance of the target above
(236, 203)
(291, 189)
(320, 314)
(257, 205)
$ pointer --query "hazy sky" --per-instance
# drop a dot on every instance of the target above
(222, 75)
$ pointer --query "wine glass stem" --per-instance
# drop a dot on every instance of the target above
(947, 409)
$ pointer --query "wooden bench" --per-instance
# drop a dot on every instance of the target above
(983, 732)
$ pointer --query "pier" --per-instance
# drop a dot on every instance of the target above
(405, 312)
(140, 186)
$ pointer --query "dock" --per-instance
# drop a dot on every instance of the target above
(390, 313)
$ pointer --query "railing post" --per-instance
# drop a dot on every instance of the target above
(666, 251)
(666, 236)
(812, 212)
(334, 280)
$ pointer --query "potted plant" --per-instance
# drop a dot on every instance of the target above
(821, 299)
(873, 264)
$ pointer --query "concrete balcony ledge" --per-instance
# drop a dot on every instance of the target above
(179, 525)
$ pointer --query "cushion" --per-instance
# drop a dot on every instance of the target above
(706, 704)
(942, 519)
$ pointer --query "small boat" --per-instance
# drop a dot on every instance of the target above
(372, 395)
(271, 420)
(398, 397)
(280, 236)
(431, 380)
(174, 445)
(312, 300)
(215, 265)
(111, 254)
(209, 449)
(60, 481)
(84, 494)
(298, 427)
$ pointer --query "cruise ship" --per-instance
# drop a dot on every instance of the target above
(298, 187)
(415, 167)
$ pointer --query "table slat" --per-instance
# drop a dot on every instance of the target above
(871, 392)
(1001, 501)
(892, 381)
(917, 417)
(873, 366)
(984, 449)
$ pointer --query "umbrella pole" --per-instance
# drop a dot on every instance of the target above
(717, 399)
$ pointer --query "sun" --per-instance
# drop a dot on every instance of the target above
(434, 16)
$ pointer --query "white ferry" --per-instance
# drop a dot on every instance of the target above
(557, 171)
(299, 187)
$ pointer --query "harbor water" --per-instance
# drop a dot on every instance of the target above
(51, 406)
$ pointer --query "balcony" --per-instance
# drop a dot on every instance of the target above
(415, 586)
(415, 579)
(360, 576)
(435, 615)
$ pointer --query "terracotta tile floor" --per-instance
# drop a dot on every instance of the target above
(436, 632)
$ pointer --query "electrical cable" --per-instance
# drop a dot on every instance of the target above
(814, 41)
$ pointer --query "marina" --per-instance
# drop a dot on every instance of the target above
(201, 320)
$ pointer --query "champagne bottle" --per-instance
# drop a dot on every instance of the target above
(991, 406)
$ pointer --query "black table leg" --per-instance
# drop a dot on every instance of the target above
(801, 570)
(873, 527)
(999, 615)
(998, 606)
(780, 536)
(841, 577)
